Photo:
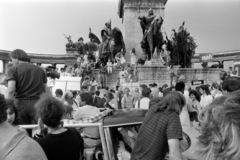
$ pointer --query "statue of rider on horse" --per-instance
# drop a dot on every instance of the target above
(152, 35)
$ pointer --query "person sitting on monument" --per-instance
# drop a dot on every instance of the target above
(142, 60)
(119, 56)
(129, 70)
(133, 57)
(109, 66)
(102, 75)
(171, 74)
(123, 74)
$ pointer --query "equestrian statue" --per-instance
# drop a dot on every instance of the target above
(152, 36)
(112, 43)
(182, 47)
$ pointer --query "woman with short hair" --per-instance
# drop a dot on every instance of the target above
(60, 143)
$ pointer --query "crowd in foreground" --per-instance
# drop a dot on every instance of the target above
(170, 111)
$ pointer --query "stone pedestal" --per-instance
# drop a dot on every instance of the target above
(154, 74)
(111, 79)
(72, 51)
(209, 75)
(159, 75)
(130, 10)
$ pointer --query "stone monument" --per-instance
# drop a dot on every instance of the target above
(129, 11)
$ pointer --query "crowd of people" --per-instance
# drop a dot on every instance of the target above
(212, 110)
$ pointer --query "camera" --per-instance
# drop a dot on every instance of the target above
(50, 72)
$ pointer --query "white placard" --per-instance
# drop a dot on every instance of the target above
(67, 83)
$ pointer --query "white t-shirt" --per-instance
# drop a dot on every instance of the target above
(205, 100)
(184, 115)
(144, 103)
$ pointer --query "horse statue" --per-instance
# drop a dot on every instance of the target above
(152, 35)
(70, 43)
(112, 43)
(182, 48)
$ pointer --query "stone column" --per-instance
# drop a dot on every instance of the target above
(133, 31)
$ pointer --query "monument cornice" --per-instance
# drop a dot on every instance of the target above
(154, 4)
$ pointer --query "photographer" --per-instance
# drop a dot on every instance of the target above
(26, 82)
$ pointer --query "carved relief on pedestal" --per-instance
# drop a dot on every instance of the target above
(153, 74)
(144, 5)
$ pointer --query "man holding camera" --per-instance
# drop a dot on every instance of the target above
(26, 82)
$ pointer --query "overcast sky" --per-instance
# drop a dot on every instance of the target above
(38, 26)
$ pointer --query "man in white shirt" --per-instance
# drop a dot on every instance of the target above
(144, 102)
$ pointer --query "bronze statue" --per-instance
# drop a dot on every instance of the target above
(182, 47)
(69, 38)
(112, 43)
(152, 35)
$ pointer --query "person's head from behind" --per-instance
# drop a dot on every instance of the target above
(142, 86)
(231, 84)
(150, 85)
(59, 93)
(126, 91)
(154, 101)
(164, 87)
(18, 56)
(50, 110)
(97, 93)
(154, 85)
(166, 91)
(86, 99)
(12, 113)
(173, 101)
(180, 86)
(193, 94)
(108, 96)
(85, 88)
(204, 90)
(220, 129)
(68, 112)
(146, 92)
(3, 109)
